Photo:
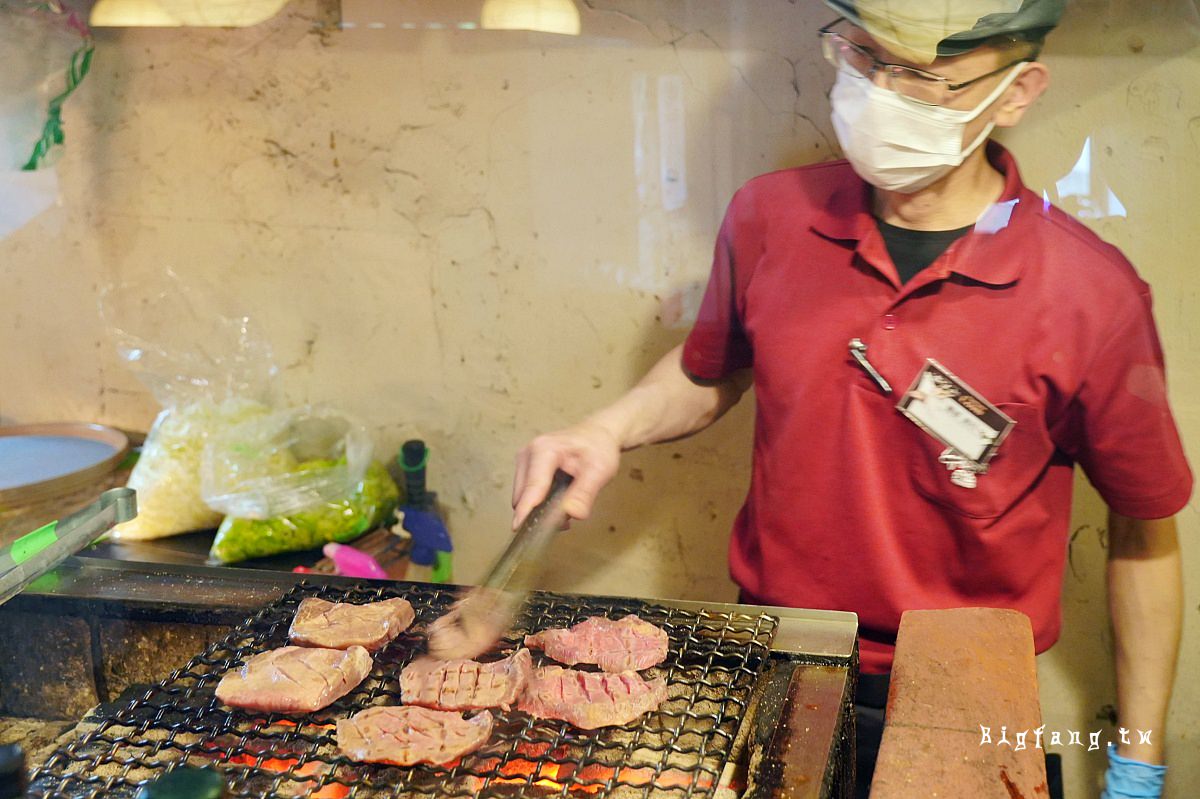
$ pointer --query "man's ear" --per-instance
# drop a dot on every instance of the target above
(1024, 92)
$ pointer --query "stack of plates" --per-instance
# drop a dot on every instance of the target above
(40, 462)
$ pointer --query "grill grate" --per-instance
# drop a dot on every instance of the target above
(712, 665)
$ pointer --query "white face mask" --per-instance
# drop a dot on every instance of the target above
(898, 145)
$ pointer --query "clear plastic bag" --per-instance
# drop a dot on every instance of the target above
(370, 505)
(167, 475)
(208, 370)
(45, 51)
(252, 470)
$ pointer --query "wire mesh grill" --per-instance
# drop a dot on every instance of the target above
(713, 662)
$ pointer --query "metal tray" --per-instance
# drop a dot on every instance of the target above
(58, 468)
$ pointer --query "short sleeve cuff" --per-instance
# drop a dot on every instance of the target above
(1162, 506)
(701, 366)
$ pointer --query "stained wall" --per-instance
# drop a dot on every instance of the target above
(473, 236)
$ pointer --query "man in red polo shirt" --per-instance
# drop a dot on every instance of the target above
(933, 348)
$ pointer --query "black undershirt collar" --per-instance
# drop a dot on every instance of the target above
(913, 250)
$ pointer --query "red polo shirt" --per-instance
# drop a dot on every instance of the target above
(849, 508)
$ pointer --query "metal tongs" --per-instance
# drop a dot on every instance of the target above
(484, 613)
(32, 555)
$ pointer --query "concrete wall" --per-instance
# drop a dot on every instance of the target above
(473, 236)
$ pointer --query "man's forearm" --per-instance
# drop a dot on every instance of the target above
(1145, 598)
(666, 404)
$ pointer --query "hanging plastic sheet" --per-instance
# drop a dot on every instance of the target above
(45, 51)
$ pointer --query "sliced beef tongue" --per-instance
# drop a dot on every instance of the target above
(339, 625)
(405, 736)
(465, 684)
(591, 699)
(624, 645)
(294, 679)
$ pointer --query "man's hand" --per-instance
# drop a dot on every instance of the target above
(665, 405)
(589, 452)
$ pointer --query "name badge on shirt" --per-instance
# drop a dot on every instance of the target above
(958, 416)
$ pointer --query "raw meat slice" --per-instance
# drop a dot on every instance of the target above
(590, 699)
(626, 645)
(465, 684)
(295, 679)
(339, 625)
(405, 736)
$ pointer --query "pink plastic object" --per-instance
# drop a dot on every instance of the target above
(351, 562)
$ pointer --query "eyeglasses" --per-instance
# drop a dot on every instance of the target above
(910, 83)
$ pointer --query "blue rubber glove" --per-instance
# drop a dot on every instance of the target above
(1132, 779)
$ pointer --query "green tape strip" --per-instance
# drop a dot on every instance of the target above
(52, 134)
(424, 462)
(47, 582)
(29, 545)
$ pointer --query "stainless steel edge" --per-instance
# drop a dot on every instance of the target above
(819, 633)
(824, 633)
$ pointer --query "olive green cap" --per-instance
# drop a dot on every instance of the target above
(922, 30)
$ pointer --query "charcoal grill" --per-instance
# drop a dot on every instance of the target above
(723, 669)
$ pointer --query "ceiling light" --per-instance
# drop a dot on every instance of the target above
(178, 13)
(547, 16)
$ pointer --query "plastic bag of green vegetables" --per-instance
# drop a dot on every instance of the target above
(342, 521)
(251, 470)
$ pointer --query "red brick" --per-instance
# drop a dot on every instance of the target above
(957, 671)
